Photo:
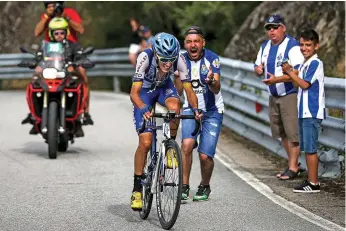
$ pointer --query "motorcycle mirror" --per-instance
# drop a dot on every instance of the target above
(23, 64)
(88, 50)
(88, 64)
(23, 49)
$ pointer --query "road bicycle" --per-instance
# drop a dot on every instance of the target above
(163, 171)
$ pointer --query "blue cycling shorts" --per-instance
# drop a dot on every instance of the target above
(150, 97)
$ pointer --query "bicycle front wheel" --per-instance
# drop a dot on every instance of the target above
(169, 185)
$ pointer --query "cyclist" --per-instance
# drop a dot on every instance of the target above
(204, 66)
(152, 83)
(58, 32)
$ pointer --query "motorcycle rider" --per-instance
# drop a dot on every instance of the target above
(75, 26)
(58, 32)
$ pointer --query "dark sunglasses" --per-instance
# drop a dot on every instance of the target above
(166, 60)
(269, 27)
(59, 33)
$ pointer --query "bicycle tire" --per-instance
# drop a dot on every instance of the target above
(168, 224)
(146, 192)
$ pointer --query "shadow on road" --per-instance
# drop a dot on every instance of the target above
(41, 149)
(125, 212)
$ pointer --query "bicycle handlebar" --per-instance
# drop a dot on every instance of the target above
(168, 116)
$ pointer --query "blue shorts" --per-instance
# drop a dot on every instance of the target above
(150, 98)
(209, 136)
(309, 129)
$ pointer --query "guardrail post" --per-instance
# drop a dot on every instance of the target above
(116, 84)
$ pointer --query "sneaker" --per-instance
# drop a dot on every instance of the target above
(79, 132)
(33, 131)
(202, 193)
(28, 120)
(169, 158)
(136, 201)
(87, 119)
(185, 192)
(307, 187)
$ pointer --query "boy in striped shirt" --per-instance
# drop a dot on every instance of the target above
(311, 105)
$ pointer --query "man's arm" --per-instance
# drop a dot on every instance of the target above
(300, 82)
(142, 64)
(213, 77)
(190, 94)
(310, 76)
(293, 75)
(181, 74)
(186, 83)
(259, 66)
(177, 83)
(279, 79)
(76, 26)
(215, 85)
(41, 25)
(74, 20)
(134, 94)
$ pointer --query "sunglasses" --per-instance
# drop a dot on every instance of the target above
(269, 27)
(166, 60)
(59, 33)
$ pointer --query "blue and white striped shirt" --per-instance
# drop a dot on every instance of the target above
(272, 56)
(198, 71)
(311, 101)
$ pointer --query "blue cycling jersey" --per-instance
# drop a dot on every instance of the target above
(147, 70)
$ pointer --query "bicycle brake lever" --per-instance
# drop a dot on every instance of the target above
(197, 127)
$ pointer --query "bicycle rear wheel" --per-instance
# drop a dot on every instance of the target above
(146, 185)
(169, 185)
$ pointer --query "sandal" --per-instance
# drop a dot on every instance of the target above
(281, 174)
(300, 171)
(289, 174)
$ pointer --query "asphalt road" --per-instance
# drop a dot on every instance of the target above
(89, 186)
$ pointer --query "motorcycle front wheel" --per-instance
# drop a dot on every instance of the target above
(52, 136)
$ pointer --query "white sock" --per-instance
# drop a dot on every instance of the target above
(314, 183)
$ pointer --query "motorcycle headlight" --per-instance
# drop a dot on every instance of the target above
(50, 73)
(61, 74)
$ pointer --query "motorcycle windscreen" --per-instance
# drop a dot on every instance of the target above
(53, 56)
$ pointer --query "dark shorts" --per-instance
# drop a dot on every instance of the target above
(150, 97)
(309, 129)
(283, 114)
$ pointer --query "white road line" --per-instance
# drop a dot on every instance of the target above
(268, 192)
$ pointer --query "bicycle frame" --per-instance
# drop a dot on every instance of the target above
(156, 170)
(167, 134)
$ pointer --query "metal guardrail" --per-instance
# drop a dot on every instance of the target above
(241, 90)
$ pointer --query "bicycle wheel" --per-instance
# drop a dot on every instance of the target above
(169, 185)
(146, 185)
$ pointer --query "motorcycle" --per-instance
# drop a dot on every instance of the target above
(56, 96)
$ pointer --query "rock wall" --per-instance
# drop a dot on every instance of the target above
(327, 18)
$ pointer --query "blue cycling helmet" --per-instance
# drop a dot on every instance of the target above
(166, 45)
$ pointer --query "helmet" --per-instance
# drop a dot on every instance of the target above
(166, 45)
(57, 23)
(46, 3)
